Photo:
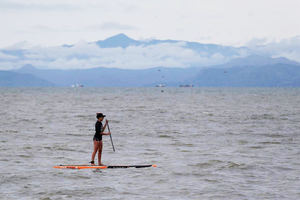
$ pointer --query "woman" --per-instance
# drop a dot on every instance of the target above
(98, 138)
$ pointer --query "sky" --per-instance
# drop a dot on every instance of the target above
(227, 22)
(33, 32)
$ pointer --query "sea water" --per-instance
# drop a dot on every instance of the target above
(208, 143)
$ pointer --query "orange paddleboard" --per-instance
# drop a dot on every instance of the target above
(100, 166)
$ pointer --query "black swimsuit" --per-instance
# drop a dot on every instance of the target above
(98, 129)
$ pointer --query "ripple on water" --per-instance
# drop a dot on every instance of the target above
(24, 155)
(229, 143)
(231, 165)
(274, 135)
(189, 174)
(207, 164)
(242, 142)
(165, 136)
(257, 147)
(262, 117)
(270, 142)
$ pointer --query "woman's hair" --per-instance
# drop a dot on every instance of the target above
(98, 115)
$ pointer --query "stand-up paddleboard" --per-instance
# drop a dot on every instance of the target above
(100, 166)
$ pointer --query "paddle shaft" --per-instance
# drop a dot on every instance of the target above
(112, 144)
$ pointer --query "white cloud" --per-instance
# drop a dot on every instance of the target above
(55, 22)
(288, 48)
(38, 5)
(7, 57)
(85, 55)
(111, 26)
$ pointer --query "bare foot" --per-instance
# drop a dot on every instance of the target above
(101, 164)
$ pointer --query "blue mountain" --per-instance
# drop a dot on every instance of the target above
(252, 71)
(122, 40)
(112, 77)
(14, 79)
(258, 60)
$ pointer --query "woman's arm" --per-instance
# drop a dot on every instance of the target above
(104, 127)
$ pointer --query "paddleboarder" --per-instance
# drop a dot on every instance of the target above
(99, 131)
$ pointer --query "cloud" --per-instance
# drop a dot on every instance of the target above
(36, 5)
(85, 55)
(288, 48)
(7, 57)
(55, 29)
(112, 26)
(86, 6)
(49, 22)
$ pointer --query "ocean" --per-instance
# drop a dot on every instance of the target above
(207, 143)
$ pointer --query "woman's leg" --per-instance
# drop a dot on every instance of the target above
(100, 145)
(96, 146)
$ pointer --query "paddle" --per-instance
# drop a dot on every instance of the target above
(112, 144)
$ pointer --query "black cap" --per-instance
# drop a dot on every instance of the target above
(100, 115)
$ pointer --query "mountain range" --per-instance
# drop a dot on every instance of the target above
(252, 70)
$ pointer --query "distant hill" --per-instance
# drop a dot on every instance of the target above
(257, 60)
(122, 40)
(252, 71)
(272, 75)
(238, 67)
(113, 77)
(13, 79)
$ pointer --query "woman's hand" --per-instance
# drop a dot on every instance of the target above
(106, 121)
